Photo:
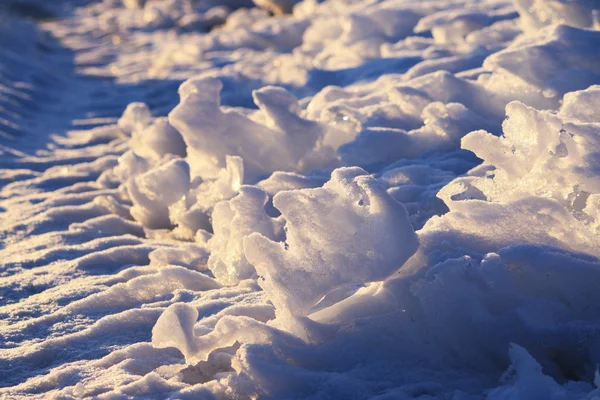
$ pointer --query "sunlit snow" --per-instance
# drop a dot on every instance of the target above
(300, 199)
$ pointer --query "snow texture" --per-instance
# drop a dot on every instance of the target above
(314, 199)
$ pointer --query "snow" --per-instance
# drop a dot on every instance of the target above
(232, 221)
(350, 231)
(283, 199)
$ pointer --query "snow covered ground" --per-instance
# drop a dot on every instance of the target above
(338, 199)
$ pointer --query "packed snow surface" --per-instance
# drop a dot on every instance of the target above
(315, 199)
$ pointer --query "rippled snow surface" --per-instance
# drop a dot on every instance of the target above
(283, 199)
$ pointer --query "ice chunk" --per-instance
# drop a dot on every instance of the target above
(447, 88)
(530, 71)
(154, 191)
(157, 140)
(279, 181)
(444, 126)
(539, 185)
(416, 186)
(135, 117)
(536, 14)
(233, 220)
(581, 106)
(538, 154)
(525, 380)
(452, 26)
(192, 212)
(175, 328)
(189, 256)
(350, 231)
(211, 133)
(130, 165)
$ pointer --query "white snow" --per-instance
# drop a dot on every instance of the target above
(315, 199)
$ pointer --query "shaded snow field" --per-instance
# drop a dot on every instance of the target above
(387, 199)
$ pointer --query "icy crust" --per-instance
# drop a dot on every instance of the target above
(279, 139)
(350, 231)
(359, 126)
(398, 324)
(473, 268)
(232, 221)
(529, 66)
(363, 125)
(538, 182)
(512, 304)
(178, 168)
(234, 250)
(472, 278)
